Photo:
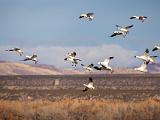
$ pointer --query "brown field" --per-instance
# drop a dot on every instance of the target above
(74, 109)
(116, 97)
(124, 87)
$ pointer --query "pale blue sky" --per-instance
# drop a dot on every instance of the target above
(50, 23)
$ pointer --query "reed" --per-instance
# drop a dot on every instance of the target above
(75, 109)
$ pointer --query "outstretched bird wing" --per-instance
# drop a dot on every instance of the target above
(118, 26)
(90, 14)
(78, 59)
(9, 50)
(28, 56)
(81, 16)
(114, 34)
(16, 49)
(82, 64)
(130, 26)
(97, 68)
(144, 16)
(117, 33)
(91, 65)
(26, 59)
(34, 56)
(111, 57)
(146, 52)
(85, 89)
(154, 49)
(106, 61)
(153, 58)
(133, 17)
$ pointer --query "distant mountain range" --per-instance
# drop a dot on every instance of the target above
(13, 68)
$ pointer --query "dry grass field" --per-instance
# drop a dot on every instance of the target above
(75, 109)
(116, 97)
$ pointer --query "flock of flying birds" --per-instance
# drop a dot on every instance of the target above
(103, 65)
(27, 58)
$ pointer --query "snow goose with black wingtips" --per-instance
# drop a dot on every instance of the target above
(115, 33)
(71, 57)
(18, 50)
(142, 18)
(104, 65)
(31, 58)
(88, 67)
(88, 16)
(146, 57)
(124, 29)
(89, 85)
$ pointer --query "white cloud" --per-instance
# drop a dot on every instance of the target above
(123, 57)
(89, 54)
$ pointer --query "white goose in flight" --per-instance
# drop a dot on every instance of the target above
(142, 18)
(89, 85)
(115, 33)
(18, 50)
(156, 47)
(88, 16)
(71, 57)
(124, 29)
(32, 58)
(88, 67)
(142, 68)
(146, 57)
(104, 65)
